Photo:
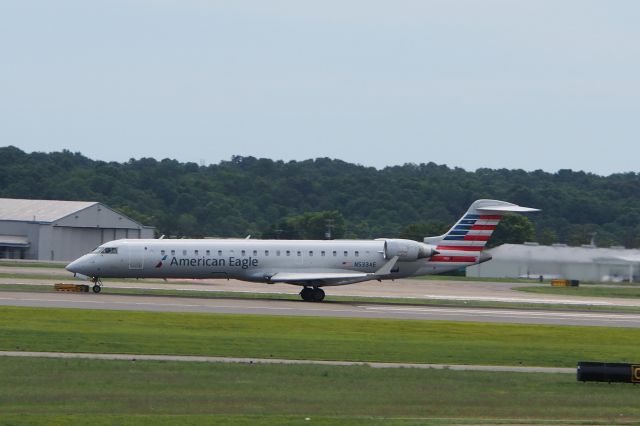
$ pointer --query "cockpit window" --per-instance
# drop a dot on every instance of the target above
(109, 250)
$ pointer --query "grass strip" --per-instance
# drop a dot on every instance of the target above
(462, 278)
(348, 339)
(586, 291)
(23, 264)
(278, 394)
(30, 275)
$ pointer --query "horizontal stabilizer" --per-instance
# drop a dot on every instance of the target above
(506, 209)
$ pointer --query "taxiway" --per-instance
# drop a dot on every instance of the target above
(325, 309)
(407, 289)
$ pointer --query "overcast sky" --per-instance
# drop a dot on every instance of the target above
(518, 84)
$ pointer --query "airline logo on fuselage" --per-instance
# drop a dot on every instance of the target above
(208, 262)
(159, 264)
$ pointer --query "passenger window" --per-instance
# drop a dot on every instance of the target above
(255, 252)
(173, 252)
(277, 252)
(357, 253)
(195, 252)
(310, 253)
(346, 253)
(184, 252)
(162, 252)
(288, 252)
(244, 253)
(219, 252)
(299, 253)
(335, 253)
(266, 252)
(208, 252)
(322, 253)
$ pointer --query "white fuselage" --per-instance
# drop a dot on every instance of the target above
(248, 259)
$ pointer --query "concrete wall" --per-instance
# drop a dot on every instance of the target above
(530, 268)
(583, 271)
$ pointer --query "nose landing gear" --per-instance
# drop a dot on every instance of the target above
(97, 285)
(312, 294)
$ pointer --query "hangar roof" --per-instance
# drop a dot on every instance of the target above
(39, 210)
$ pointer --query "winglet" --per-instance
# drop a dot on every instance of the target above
(387, 267)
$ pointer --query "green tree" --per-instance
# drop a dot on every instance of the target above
(246, 194)
(135, 215)
(512, 229)
(548, 236)
(309, 226)
(581, 234)
(417, 231)
(188, 226)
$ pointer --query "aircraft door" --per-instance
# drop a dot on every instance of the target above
(136, 257)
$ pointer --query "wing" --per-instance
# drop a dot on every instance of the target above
(320, 278)
(336, 277)
(307, 276)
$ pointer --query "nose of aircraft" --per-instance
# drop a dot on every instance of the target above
(78, 266)
(73, 266)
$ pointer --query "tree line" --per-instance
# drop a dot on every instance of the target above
(305, 199)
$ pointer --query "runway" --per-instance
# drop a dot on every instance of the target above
(409, 289)
(325, 309)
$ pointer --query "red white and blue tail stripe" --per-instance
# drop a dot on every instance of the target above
(467, 238)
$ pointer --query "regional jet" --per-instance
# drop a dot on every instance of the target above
(306, 263)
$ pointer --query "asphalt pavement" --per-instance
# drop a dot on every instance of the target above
(324, 309)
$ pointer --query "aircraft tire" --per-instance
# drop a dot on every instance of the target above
(307, 294)
(318, 294)
(96, 288)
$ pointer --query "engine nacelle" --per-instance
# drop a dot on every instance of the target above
(408, 249)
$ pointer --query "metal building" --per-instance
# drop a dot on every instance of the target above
(60, 230)
(586, 263)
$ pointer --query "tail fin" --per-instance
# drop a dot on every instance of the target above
(474, 229)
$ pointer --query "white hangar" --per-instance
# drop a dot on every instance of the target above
(61, 230)
(585, 263)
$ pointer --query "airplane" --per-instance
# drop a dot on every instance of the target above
(311, 264)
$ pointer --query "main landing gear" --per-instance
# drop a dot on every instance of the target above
(312, 294)
(97, 285)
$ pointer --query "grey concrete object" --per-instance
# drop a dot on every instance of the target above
(54, 230)
(585, 263)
